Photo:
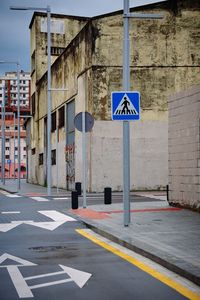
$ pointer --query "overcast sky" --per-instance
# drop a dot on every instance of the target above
(14, 25)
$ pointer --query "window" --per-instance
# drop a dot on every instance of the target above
(7, 140)
(7, 148)
(7, 127)
(53, 157)
(61, 115)
(33, 104)
(56, 51)
(53, 121)
(33, 62)
(7, 156)
(16, 148)
(40, 159)
(24, 148)
(33, 151)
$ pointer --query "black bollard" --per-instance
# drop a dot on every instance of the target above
(167, 190)
(74, 197)
(107, 195)
(78, 187)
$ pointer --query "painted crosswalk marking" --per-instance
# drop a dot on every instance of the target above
(39, 199)
(13, 196)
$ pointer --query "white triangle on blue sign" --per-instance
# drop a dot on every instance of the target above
(125, 107)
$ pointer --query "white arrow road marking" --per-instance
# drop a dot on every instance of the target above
(24, 290)
(40, 199)
(50, 283)
(19, 283)
(8, 226)
(56, 215)
(21, 262)
(79, 277)
(46, 225)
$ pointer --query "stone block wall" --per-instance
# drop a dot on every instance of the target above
(184, 148)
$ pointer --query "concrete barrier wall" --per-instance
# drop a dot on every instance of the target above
(184, 148)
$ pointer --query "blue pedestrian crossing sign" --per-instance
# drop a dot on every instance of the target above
(126, 106)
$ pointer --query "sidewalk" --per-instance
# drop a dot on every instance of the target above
(168, 235)
(165, 234)
(11, 186)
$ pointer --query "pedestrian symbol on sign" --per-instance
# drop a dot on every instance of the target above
(125, 106)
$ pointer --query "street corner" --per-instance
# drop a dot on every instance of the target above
(89, 214)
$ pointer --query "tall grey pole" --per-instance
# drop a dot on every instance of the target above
(49, 101)
(18, 120)
(57, 132)
(126, 129)
(84, 174)
(14, 148)
(3, 137)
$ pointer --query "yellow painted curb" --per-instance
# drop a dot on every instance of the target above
(166, 280)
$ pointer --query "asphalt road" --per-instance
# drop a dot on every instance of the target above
(42, 256)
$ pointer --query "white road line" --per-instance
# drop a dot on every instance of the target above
(20, 284)
(39, 199)
(13, 196)
(10, 212)
(50, 283)
(61, 198)
(45, 275)
(56, 215)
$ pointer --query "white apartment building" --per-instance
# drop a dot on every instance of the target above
(9, 80)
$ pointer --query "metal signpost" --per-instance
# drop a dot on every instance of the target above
(84, 122)
(126, 86)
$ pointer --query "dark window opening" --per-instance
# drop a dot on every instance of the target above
(53, 121)
(33, 151)
(53, 157)
(33, 104)
(61, 115)
(40, 159)
(56, 51)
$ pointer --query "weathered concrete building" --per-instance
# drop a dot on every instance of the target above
(165, 59)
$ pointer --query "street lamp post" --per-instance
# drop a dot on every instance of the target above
(3, 137)
(126, 86)
(48, 11)
(18, 116)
